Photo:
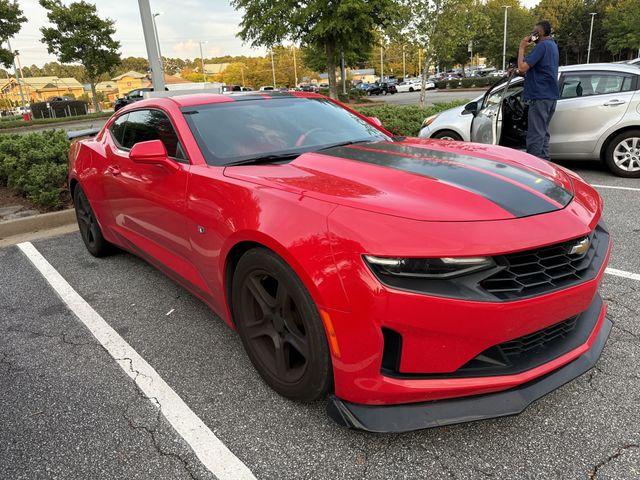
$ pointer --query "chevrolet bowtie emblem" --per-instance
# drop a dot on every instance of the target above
(581, 247)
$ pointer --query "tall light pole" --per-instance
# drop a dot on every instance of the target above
(273, 69)
(295, 67)
(204, 74)
(404, 64)
(152, 45)
(155, 34)
(381, 62)
(593, 15)
(504, 41)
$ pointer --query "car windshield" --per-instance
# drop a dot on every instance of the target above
(254, 128)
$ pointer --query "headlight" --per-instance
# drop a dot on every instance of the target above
(428, 121)
(427, 267)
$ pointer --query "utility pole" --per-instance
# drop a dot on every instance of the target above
(593, 15)
(420, 62)
(381, 62)
(273, 69)
(151, 43)
(504, 42)
(155, 34)
(295, 68)
(242, 73)
(204, 74)
(15, 69)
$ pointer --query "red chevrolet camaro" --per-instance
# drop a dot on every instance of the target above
(416, 282)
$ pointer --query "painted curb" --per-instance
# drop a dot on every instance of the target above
(35, 223)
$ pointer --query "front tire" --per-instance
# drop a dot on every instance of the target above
(447, 135)
(280, 327)
(622, 155)
(88, 225)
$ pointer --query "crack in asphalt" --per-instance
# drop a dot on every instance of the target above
(619, 451)
(152, 431)
(439, 459)
(62, 336)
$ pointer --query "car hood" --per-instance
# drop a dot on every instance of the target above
(422, 179)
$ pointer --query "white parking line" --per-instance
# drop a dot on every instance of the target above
(213, 454)
(622, 273)
(616, 188)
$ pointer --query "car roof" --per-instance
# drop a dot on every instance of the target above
(194, 99)
(616, 67)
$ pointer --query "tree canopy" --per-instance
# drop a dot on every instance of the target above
(328, 27)
(11, 20)
(79, 35)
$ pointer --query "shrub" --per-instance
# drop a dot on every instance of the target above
(441, 84)
(35, 165)
(405, 120)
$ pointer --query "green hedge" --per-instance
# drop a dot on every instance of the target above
(476, 82)
(35, 166)
(405, 120)
(51, 121)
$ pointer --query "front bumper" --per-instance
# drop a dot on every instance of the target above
(416, 416)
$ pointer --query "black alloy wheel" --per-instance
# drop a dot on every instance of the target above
(280, 327)
(89, 227)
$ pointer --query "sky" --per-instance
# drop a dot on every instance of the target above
(181, 26)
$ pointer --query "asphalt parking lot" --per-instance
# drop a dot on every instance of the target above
(69, 410)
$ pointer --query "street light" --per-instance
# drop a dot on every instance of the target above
(593, 15)
(504, 43)
(155, 34)
(204, 75)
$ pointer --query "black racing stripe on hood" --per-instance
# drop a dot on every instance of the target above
(523, 176)
(515, 200)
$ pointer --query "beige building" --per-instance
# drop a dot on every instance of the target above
(131, 80)
(39, 89)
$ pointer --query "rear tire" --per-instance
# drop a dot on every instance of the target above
(89, 228)
(447, 135)
(622, 155)
(411, 89)
(280, 327)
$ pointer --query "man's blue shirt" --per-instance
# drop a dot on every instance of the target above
(541, 80)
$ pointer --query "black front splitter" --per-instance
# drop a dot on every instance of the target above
(416, 416)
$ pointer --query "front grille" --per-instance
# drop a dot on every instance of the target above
(542, 270)
(539, 339)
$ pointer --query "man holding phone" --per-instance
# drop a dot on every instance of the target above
(541, 91)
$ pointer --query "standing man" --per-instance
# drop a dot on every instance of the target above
(541, 92)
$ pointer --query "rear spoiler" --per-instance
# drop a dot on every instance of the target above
(76, 134)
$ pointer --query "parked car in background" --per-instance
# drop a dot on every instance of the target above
(131, 97)
(267, 88)
(381, 89)
(308, 87)
(413, 85)
(597, 117)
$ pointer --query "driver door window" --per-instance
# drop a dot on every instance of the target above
(151, 124)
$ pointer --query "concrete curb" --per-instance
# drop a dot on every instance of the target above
(45, 221)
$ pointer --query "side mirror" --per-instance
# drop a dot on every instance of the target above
(152, 152)
(375, 120)
(471, 107)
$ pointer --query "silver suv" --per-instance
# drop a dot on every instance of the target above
(597, 117)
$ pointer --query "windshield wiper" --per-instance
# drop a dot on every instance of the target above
(343, 144)
(266, 159)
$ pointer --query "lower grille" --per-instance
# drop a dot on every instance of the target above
(510, 357)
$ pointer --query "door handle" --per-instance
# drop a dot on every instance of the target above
(114, 170)
(613, 103)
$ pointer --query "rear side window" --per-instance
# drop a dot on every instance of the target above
(145, 125)
(597, 83)
(117, 128)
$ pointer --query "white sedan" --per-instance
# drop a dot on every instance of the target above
(413, 86)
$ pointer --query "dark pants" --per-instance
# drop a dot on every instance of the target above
(540, 114)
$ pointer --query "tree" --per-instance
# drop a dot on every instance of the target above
(439, 27)
(137, 64)
(330, 27)
(80, 35)
(622, 23)
(11, 20)
(490, 41)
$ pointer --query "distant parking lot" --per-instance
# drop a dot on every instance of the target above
(68, 409)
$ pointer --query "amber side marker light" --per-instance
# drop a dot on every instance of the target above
(333, 340)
